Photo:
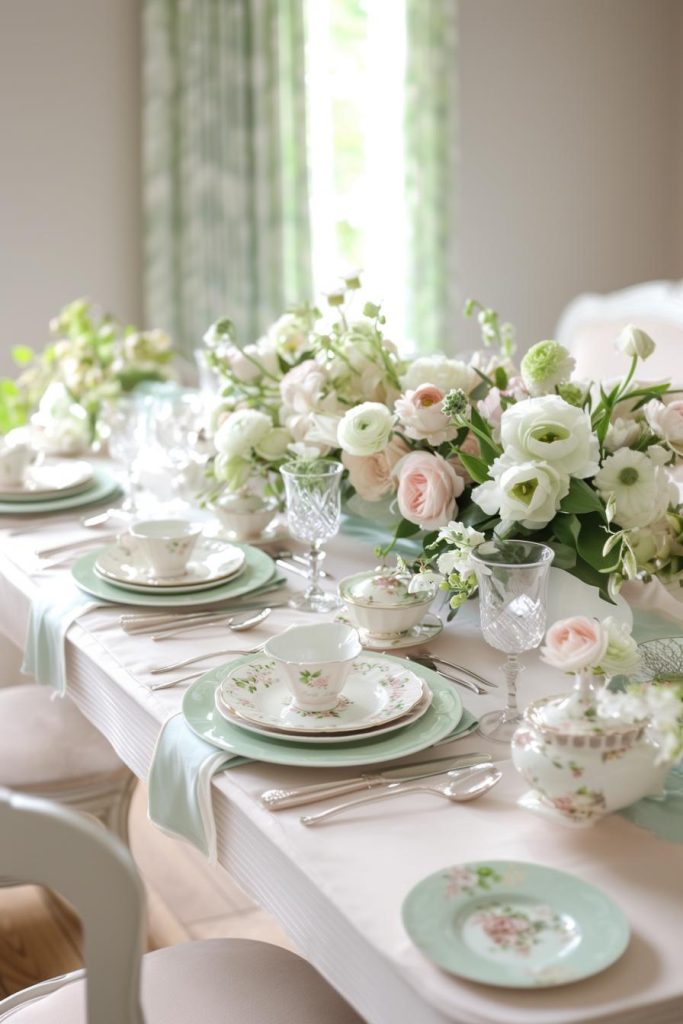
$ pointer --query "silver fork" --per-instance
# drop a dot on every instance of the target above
(467, 684)
(424, 653)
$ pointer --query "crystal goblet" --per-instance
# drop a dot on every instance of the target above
(513, 586)
(313, 515)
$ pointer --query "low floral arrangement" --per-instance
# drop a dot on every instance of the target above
(607, 649)
(92, 360)
(453, 452)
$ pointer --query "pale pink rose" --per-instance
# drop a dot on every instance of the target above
(491, 410)
(427, 489)
(667, 421)
(575, 644)
(421, 413)
(301, 387)
(372, 475)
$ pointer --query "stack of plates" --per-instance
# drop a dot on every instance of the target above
(55, 486)
(389, 709)
(217, 572)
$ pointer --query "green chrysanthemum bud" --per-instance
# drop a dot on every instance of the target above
(546, 365)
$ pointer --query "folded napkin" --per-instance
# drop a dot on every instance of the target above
(179, 784)
(52, 612)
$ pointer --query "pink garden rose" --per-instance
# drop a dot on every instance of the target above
(667, 421)
(491, 410)
(302, 387)
(372, 475)
(422, 416)
(427, 489)
(575, 644)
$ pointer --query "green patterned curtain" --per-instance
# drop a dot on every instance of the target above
(431, 169)
(225, 180)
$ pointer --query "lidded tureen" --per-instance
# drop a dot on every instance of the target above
(382, 601)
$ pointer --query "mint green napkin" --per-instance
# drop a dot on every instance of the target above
(52, 612)
(179, 784)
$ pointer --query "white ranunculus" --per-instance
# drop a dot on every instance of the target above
(242, 431)
(548, 429)
(667, 422)
(274, 445)
(640, 485)
(528, 493)
(634, 342)
(621, 656)
(444, 373)
(546, 365)
(622, 433)
(365, 429)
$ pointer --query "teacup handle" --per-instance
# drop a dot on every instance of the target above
(130, 544)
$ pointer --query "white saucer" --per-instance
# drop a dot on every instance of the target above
(235, 718)
(429, 628)
(275, 533)
(50, 480)
(376, 692)
(213, 562)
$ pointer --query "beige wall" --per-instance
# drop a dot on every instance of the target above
(69, 161)
(570, 133)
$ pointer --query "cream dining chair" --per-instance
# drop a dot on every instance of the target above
(590, 323)
(218, 981)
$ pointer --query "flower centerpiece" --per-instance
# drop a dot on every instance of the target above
(92, 360)
(452, 452)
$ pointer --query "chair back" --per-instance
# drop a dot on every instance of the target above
(590, 323)
(47, 844)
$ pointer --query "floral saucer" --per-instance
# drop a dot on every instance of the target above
(376, 691)
(429, 628)
(213, 562)
(514, 924)
(235, 718)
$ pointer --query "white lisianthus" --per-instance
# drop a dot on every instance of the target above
(241, 432)
(639, 485)
(622, 433)
(621, 656)
(634, 342)
(546, 365)
(528, 493)
(274, 445)
(442, 372)
(365, 429)
(547, 429)
(667, 422)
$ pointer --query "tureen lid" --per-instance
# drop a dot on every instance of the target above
(575, 715)
(384, 587)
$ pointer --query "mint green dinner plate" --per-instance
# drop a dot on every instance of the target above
(514, 924)
(259, 569)
(103, 486)
(438, 721)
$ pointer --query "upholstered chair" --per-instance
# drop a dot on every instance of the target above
(215, 981)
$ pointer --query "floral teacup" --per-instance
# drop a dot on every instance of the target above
(246, 516)
(165, 544)
(315, 662)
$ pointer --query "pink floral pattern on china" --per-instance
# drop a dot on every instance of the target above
(511, 928)
(376, 692)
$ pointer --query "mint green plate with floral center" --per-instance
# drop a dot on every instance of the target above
(514, 924)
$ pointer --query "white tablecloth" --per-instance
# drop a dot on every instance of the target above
(338, 889)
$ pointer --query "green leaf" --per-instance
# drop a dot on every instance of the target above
(406, 529)
(591, 543)
(501, 378)
(581, 499)
(488, 447)
(565, 556)
(22, 354)
(583, 571)
(473, 515)
(566, 528)
(477, 468)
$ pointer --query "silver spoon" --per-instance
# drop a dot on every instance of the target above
(234, 627)
(452, 790)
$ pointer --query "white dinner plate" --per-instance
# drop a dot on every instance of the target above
(376, 691)
(50, 479)
(213, 562)
(235, 718)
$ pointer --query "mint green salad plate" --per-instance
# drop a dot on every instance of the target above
(514, 924)
(103, 486)
(259, 569)
(439, 720)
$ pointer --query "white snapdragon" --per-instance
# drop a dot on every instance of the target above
(548, 429)
(365, 429)
(464, 539)
(528, 493)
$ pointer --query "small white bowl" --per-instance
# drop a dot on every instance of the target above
(315, 662)
(246, 517)
(381, 602)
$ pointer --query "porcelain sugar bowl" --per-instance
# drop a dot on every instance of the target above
(381, 602)
(580, 766)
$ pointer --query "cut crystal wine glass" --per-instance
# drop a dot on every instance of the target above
(513, 586)
(313, 515)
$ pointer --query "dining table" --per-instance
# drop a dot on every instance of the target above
(338, 889)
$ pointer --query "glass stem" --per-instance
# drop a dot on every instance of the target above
(511, 671)
(315, 557)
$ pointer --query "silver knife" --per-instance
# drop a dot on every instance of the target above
(279, 799)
